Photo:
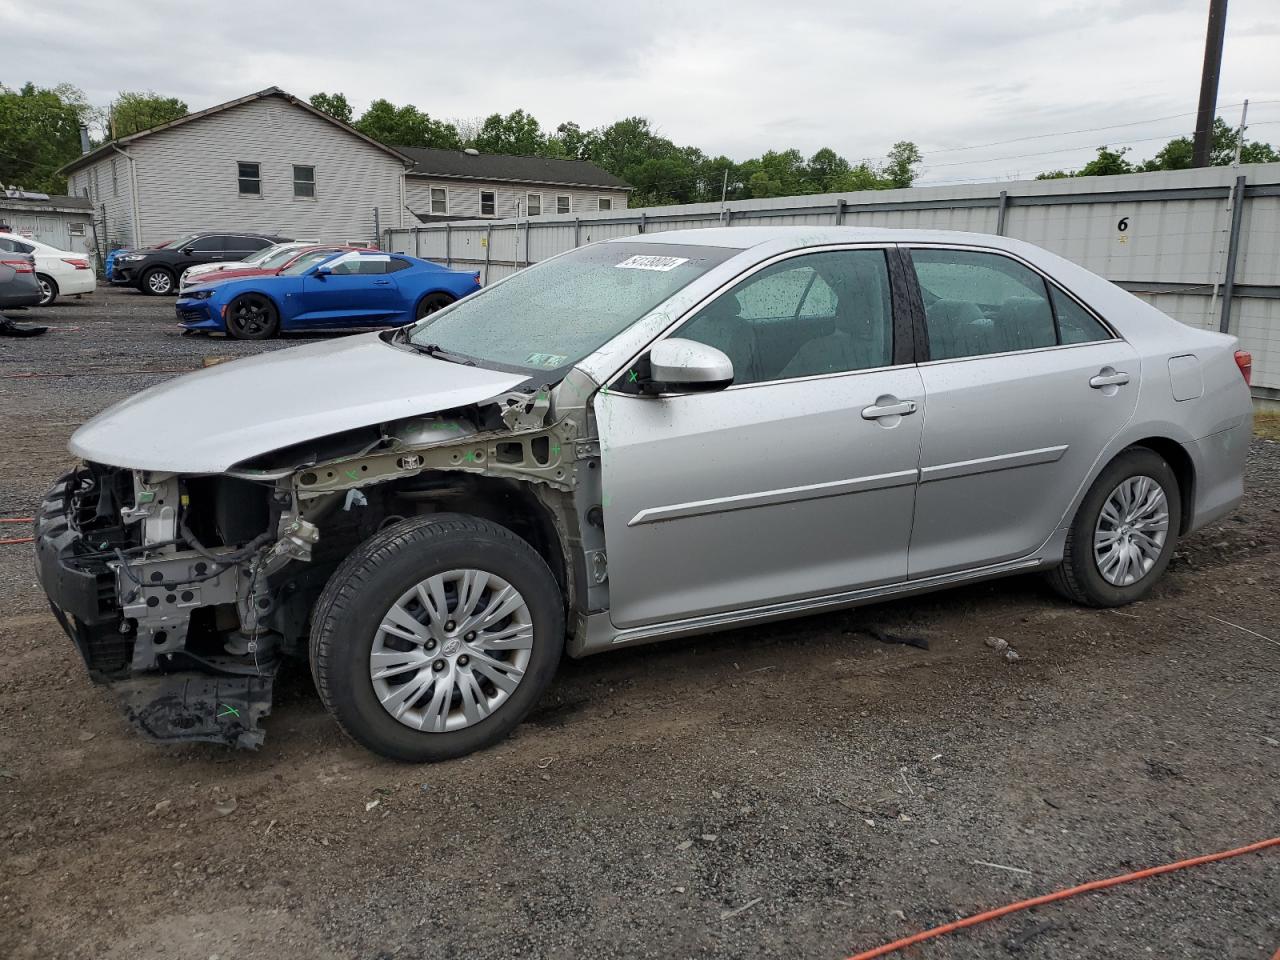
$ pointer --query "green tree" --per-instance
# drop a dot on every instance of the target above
(40, 132)
(406, 126)
(827, 171)
(134, 111)
(900, 170)
(1176, 154)
(334, 104)
(517, 133)
(1107, 163)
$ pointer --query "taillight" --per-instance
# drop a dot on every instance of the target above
(78, 264)
(1244, 360)
(19, 266)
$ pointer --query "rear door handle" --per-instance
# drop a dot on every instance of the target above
(1118, 379)
(899, 409)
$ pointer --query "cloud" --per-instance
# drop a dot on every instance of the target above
(730, 77)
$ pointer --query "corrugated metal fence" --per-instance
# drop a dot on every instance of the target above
(1202, 245)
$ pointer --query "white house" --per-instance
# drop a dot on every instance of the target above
(272, 163)
(267, 163)
(465, 185)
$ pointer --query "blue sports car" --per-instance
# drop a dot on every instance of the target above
(347, 289)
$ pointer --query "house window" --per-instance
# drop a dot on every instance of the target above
(534, 205)
(562, 204)
(604, 203)
(250, 176)
(439, 200)
(304, 182)
(115, 179)
(486, 203)
(75, 229)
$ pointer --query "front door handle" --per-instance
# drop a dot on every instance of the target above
(898, 408)
(382, 283)
(1117, 379)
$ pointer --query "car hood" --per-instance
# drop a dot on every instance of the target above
(207, 421)
(234, 273)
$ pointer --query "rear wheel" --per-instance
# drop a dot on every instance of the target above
(252, 317)
(48, 290)
(433, 302)
(158, 282)
(436, 637)
(1124, 533)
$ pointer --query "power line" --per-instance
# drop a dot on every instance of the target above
(1067, 149)
(1068, 133)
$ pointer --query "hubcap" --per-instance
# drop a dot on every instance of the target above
(249, 316)
(1131, 531)
(159, 282)
(46, 292)
(451, 650)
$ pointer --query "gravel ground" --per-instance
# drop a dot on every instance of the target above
(838, 788)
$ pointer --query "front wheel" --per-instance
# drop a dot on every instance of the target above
(48, 290)
(436, 637)
(252, 317)
(157, 281)
(431, 303)
(1124, 533)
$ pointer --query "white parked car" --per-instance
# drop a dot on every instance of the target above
(203, 272)
(60, 272)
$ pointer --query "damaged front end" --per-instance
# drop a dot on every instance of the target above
(185, 593)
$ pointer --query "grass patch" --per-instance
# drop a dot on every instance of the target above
(1266, 425)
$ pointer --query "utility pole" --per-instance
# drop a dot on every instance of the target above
(1244, 115)
(1208, 109)
(724, 192)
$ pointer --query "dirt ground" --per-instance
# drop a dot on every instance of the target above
(840, 789)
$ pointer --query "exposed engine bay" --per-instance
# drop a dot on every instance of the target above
(186, 593)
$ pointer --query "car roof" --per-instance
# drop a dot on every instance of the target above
(793, 237)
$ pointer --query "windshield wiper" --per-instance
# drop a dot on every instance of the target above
(439, 353)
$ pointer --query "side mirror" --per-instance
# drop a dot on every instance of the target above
(686, 366)
(188, 251)
(323, 270)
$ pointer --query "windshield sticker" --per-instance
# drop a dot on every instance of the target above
(661, 264)
(548, 360)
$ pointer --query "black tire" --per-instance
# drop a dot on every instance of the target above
(251, 316)
(431, 303)
(367, 585)
(158, 282)
(1078, 578)
(49, 288)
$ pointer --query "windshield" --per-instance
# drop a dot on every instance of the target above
(272, 256)
(553, 314)
(179, 243)
(306, 262)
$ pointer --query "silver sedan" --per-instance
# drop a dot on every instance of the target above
(644, 438)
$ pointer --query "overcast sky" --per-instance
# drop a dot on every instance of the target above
(730, 77)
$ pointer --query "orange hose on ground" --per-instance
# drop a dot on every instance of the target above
(17, 519)
(978, 918)
(17, 540)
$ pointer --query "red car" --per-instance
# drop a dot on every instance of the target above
(273, 266)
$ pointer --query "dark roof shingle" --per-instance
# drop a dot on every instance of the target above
(456, 164)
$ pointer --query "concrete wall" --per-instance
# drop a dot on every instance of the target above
(1165, 236)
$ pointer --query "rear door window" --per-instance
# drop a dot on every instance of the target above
(982, 303)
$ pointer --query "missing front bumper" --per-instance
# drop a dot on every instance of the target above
(176, 707)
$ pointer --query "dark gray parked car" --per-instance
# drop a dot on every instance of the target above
(18, 284)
